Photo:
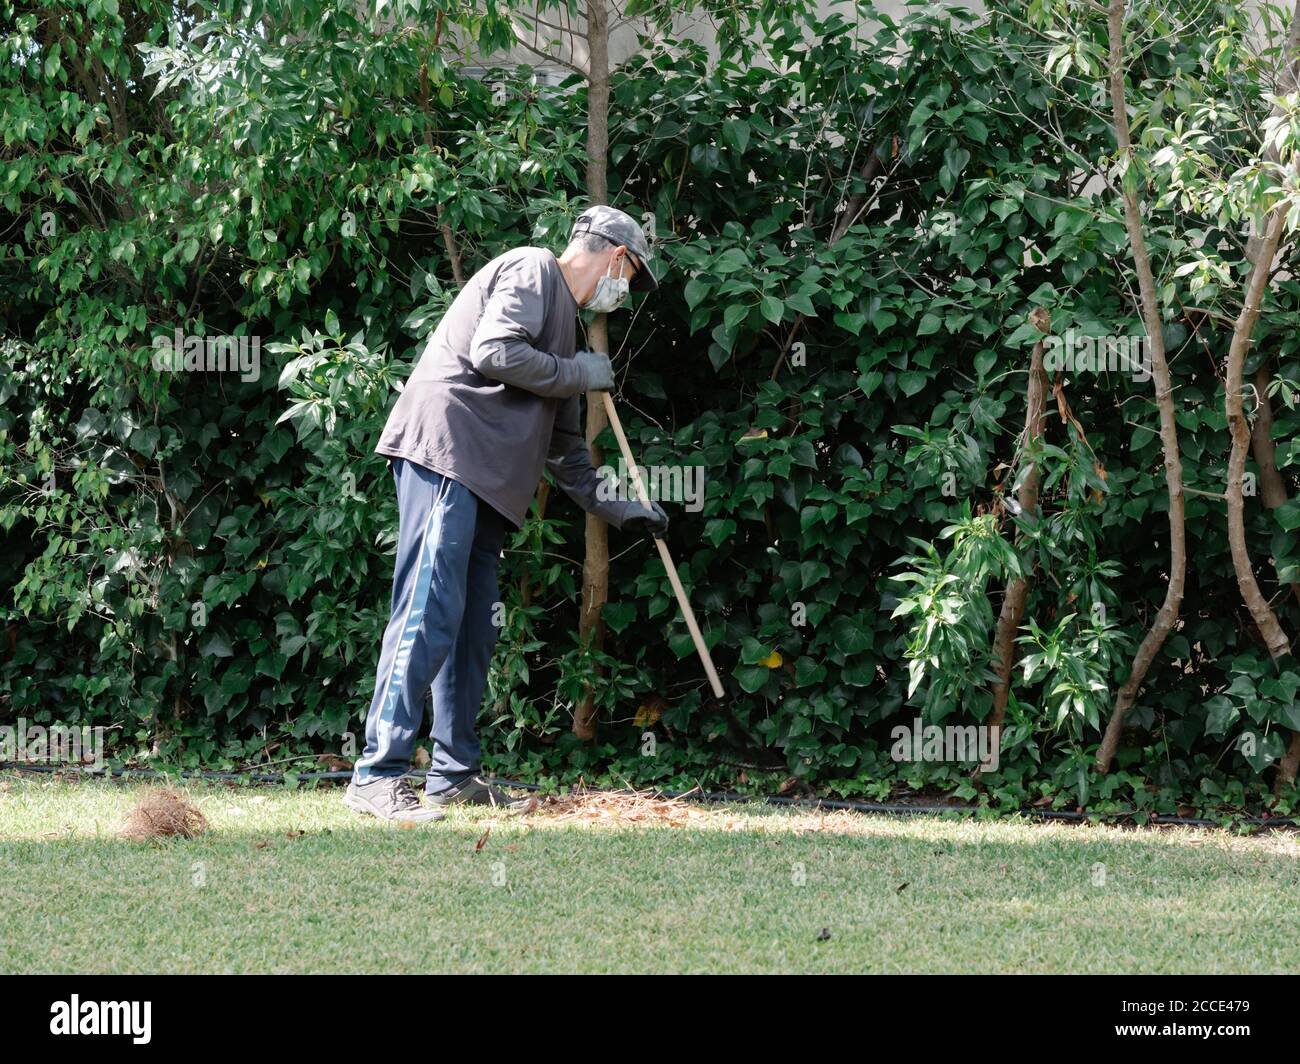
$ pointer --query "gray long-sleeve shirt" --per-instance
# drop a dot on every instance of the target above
(494, 397)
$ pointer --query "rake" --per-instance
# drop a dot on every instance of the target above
(687, 613)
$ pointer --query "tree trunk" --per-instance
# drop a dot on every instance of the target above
(1167, 616)
(448, 237)
(1013, 601)
(1272, 487)
(1272, 493)
(1261, 612)
(595, 566)
(1275, 639)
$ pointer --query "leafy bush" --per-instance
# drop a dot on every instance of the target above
(202, 562)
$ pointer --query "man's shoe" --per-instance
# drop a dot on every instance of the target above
(475, 791)
(390, 798)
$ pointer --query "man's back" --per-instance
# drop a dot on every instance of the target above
(489, 435)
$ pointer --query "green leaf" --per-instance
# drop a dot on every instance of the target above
(1288, 514)
(851, 322)
(803, 454)
(861, 673)
(772, 309)
(618, 615)
(849, 636)
(869, 382)
(911, 382)
(808, 671)
(751, 677)
(736, 133)
(734, 315)
(215, 645)
(930, 323)
(1221, 716)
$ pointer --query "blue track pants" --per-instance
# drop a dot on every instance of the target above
(440, 631)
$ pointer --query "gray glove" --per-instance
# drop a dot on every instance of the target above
(637, 518)
(597, 373)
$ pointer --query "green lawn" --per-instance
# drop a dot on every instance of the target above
(752, 890)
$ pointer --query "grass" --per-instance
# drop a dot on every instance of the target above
(291, 881)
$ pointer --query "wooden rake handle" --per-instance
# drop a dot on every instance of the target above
(673, 578)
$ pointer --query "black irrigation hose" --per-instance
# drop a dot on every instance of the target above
(701, 796)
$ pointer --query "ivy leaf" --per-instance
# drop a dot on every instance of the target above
(851, 322)
(215, 645)
(911, 382)
(618, 615)
(751, 677)
(861, 673)
(1288, 514)
(1222, 715)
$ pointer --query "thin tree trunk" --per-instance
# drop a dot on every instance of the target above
(448, 237)
(1272, 488)
(595, 566)
(858, 200)
(453, 250)
(1270, 629)
(1265, 619)
(1013, 601)
(1167, 616)
(1260, 252)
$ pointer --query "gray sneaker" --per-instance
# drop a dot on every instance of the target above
(390, 798)
(475, 791)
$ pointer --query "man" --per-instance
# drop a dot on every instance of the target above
(492, 400)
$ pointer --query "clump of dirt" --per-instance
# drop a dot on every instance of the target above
(163, 813)
(616, 807)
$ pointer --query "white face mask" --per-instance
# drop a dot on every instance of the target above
(610, 292)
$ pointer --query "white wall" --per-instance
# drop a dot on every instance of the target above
(696, 27)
